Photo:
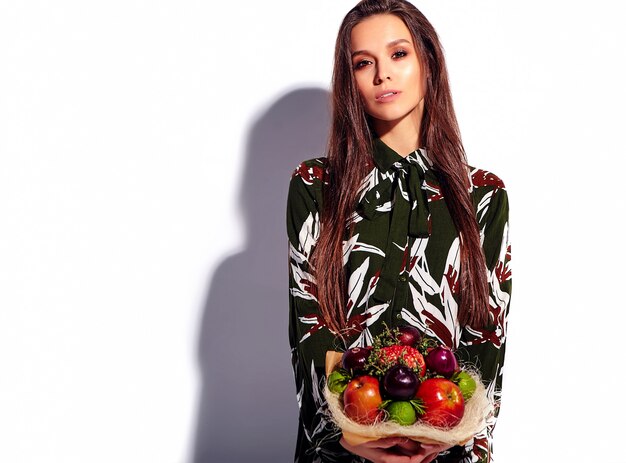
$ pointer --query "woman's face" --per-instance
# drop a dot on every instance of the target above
(387, 70)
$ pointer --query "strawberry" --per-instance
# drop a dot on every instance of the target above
(387, 357)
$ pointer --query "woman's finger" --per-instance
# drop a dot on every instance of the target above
(386, 442)
(410, 446)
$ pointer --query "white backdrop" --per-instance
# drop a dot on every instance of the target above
(145, 151)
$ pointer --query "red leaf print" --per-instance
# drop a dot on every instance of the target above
(406, 253)
(496, 315)
(485, 178)
(503, 271)
(309, 287)
(453, 279)
(319, 324)
(481, 447)
(437, 195)
(356, 323)
(439, 329)
(308, 174)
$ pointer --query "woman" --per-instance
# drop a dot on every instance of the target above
(383, 229)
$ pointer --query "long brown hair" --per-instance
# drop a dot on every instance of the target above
(349, 154)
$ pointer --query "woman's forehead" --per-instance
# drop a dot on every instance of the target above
(379, 31)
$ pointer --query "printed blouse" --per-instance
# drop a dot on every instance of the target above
(402, 267)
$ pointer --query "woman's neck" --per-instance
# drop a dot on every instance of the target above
(401, 136)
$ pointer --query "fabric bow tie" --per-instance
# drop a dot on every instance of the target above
(401, 193)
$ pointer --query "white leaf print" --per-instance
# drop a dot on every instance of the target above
(355, 217)
(425, 311)
(430, 188)
(439, 323)
(316, 325)
(483, 205)
(471, 181)
(371, 288)
(312, 320)
(317, 384)
(365, 339)
(301, 294)
(296, 255)
(420, 272)
(375, 312)
(303, 280)
(422, 277)
(309, 233)
(500, 298)
(353, 245)
(299, 395)
(419, 248)
(390, 174)
(364, 247)
(494, 397)
(412, 320)
(450, 306)
(317, 395)
(504, 246)
(369, 182)
(355, 284)
(403, 192)
(371, 315)
(319, 428)
(347, 247)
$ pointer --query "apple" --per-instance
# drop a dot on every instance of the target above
(443, 402)
(408, 336)
(361, 399)
(337, 381)
(355, 359)
(466, 384)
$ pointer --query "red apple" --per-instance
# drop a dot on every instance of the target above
(443, 402)
(361, 399)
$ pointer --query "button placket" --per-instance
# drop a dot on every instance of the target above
(401, 188)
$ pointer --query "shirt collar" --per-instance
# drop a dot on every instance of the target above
(385, 157)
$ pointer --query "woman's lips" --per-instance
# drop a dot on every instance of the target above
(386, 96)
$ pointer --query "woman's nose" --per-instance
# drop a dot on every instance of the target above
(381, 76)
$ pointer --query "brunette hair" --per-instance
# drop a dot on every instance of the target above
(349, 154)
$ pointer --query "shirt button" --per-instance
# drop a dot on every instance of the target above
(399, 316)
(402, 277)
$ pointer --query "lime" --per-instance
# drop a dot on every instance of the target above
(402, 412)
(466, 383)
(337, 381)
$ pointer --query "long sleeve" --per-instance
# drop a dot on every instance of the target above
(318, 439)
(485, 348)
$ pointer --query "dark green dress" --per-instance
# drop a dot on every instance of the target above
(402, 267)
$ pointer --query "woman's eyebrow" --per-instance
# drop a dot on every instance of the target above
(389, 45)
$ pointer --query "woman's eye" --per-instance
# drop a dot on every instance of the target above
(360, 64)
(399, 54)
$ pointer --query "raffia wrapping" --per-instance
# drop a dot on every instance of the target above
(477, 409)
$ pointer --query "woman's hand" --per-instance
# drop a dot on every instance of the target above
(428, 452)
(388, 450)
(396, 450)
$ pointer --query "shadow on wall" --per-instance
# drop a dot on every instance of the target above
(248, 409)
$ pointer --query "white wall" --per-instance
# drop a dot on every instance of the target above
(145, 150)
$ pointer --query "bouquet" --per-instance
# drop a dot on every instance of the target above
(404, 385)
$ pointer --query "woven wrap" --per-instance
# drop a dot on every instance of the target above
(477, 410)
